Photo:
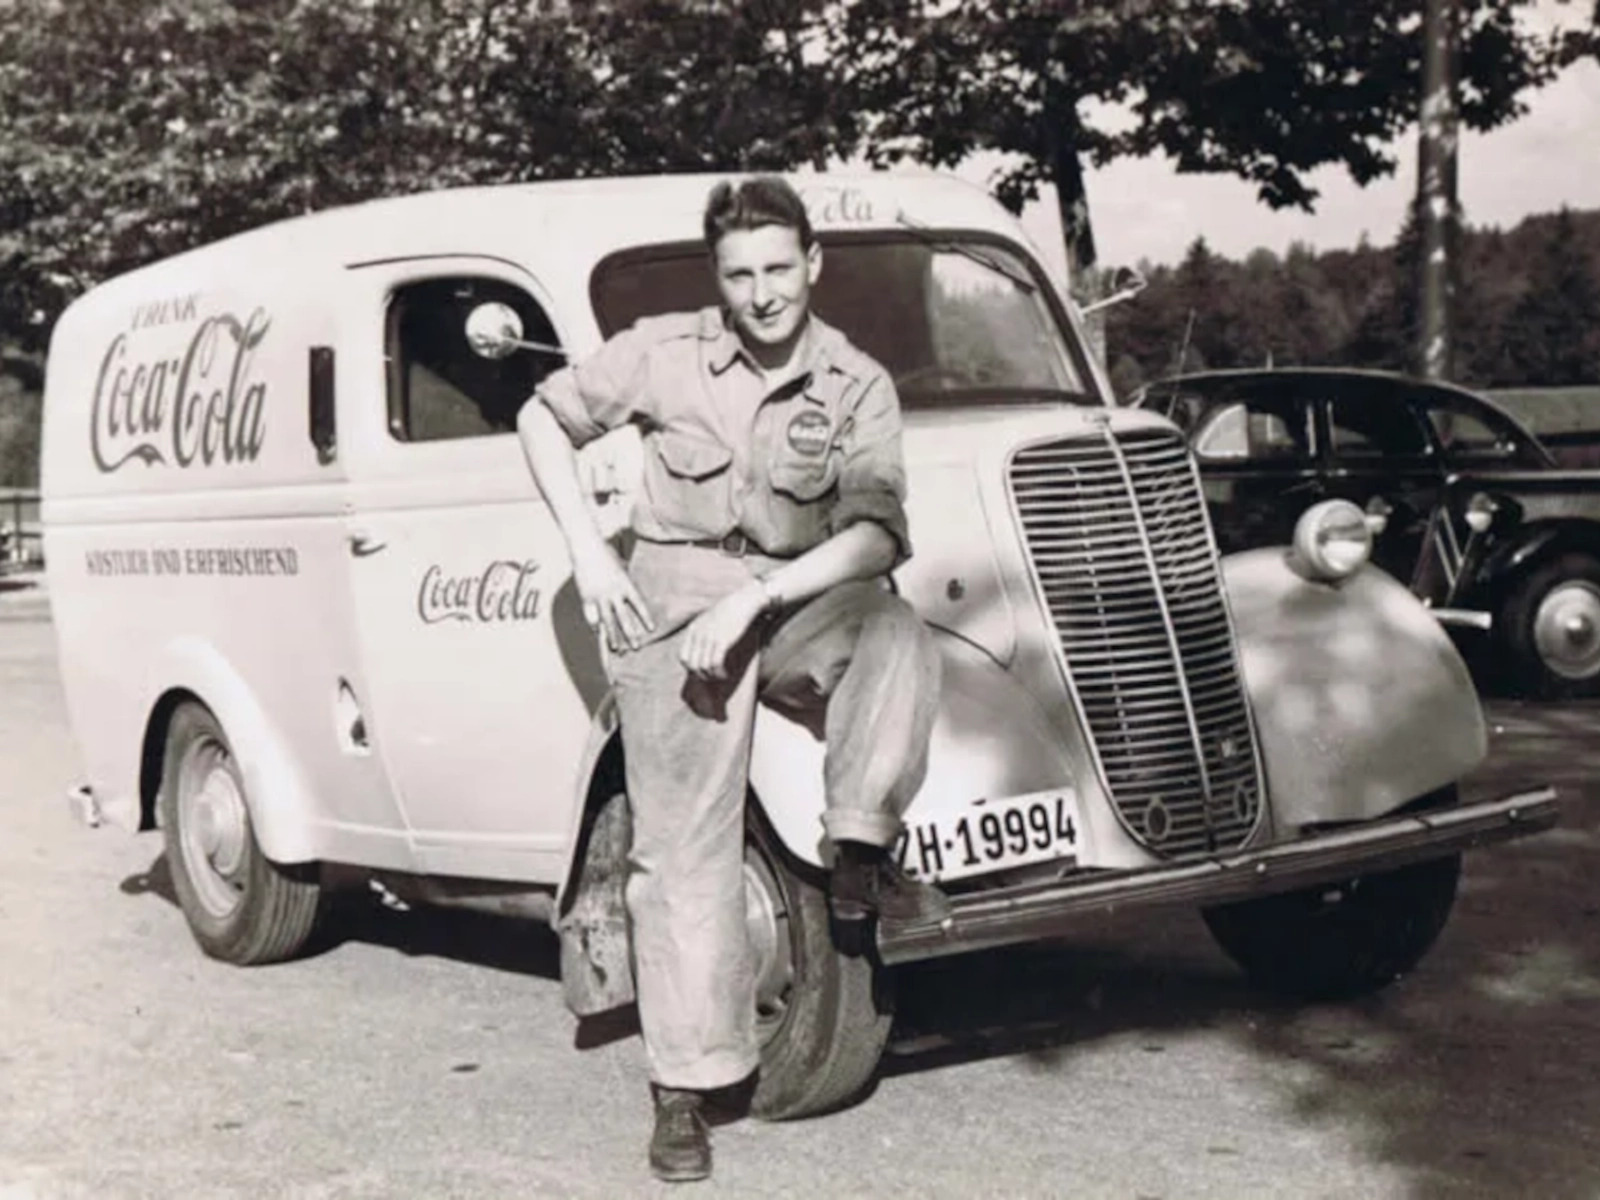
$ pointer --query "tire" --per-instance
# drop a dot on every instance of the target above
(241, 907)
(1341, 940)
(1550, 626)
(822, 1017)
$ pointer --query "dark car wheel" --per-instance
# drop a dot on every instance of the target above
(821, 1015)
(1550, 628)
(241, 907)
(1343, 939)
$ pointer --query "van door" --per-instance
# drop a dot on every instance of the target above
(482, 673)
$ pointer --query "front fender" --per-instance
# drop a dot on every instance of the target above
(990, 739)
(1361, 701)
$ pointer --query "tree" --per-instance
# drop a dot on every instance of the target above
(19, 433)
(1265, 89)
(1552, 335)
(139, 128)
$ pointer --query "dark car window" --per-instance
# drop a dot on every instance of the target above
(1469, 436)
(1368, 426)
(1253, 431)
(1241, 428)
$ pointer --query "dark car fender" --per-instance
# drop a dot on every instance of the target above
(1360, 699)
(1529, 543)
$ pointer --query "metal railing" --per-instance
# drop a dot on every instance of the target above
(20, 542)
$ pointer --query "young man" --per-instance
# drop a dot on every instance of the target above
(770, 512)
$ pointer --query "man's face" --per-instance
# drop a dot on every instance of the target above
(765, 278)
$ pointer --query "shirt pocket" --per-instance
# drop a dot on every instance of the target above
(688, 481)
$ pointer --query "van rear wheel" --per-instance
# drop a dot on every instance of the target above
(241, 907)
(822, 1017)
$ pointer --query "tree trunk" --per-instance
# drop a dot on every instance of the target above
(1436, 185)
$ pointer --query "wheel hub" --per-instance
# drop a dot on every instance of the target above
(213, 829)
(767, 923)
(219, 823)
(1566, 629)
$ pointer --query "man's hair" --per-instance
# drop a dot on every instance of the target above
(752, 203)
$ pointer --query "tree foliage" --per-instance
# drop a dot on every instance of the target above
(1527, 299)
(137, 128)
(1265, 89)
(133, 129)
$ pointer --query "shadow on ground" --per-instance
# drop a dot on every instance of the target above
(1477, 1076)
(355, 915)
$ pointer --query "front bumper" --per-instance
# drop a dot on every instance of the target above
(1040, 910)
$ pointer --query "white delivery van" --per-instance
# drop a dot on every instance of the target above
(313, 612)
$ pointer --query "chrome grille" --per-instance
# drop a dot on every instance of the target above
(1116, 529)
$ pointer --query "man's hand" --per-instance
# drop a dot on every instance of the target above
(711, 635)
(611, 604)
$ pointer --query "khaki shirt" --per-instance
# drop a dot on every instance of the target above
(788, 469)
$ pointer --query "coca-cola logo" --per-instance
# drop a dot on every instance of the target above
(808, 432)
(502, 591)
(196, 407)
(833, 205)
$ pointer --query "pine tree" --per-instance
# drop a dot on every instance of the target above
(1552, 336)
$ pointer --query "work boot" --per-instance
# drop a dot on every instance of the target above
(867, 882)
(680, 1147)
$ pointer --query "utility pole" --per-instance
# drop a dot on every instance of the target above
(1436, 184)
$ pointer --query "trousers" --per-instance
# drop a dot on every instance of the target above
(856, 665)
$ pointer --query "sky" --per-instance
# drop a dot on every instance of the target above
(1550, 157)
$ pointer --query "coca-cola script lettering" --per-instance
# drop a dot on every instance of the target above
(502, 591)
(831, 205)
(198, 407)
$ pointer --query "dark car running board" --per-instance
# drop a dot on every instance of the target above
(1040, 910)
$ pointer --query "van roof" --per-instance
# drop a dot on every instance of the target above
(586, 219)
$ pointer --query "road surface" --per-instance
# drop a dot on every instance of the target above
(429, 1054)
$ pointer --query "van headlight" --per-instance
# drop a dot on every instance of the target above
(1332, 541)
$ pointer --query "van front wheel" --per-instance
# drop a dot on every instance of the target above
(822, 1017)
(241, 907)
(1340, 940)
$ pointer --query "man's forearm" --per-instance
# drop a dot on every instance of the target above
(555, 470)
(862, 551)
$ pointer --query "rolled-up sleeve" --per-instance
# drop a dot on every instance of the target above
(872, 476)
(604, 391)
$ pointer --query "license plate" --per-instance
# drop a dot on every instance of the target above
(992, 835)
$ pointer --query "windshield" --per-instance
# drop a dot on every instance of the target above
(955, 319)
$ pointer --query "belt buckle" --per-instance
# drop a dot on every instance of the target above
(734, 543)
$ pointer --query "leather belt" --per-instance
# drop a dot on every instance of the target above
(735, 543)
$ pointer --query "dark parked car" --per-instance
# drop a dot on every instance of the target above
(1467, 506)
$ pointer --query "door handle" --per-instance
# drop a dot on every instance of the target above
(361, 545)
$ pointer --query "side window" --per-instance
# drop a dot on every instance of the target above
(439, 387)
(1466, 435)
(1374, 427)
(1256, 429)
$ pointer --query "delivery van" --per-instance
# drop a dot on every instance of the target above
(316, 622)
